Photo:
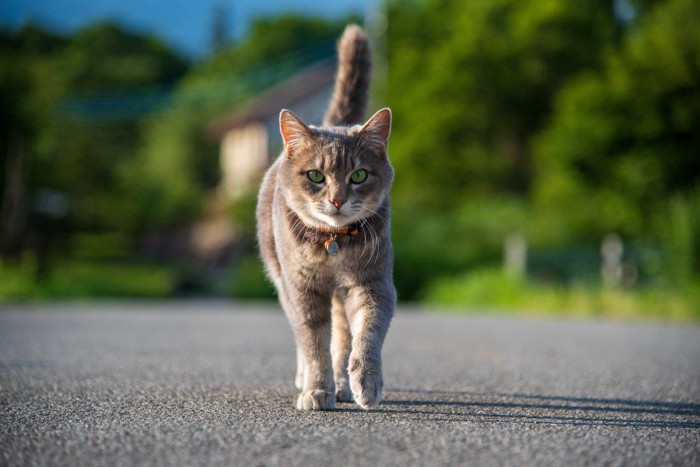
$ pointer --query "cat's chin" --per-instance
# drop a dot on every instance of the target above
(334, 222)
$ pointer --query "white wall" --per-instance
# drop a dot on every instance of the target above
(244, 157)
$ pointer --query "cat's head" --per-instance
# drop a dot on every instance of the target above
(337, 176)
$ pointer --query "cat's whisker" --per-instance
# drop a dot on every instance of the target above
(371, 247)
(364, 243)
(375, 247)
(297, 226)
(364, 246)
(372, 239)
(379, 215)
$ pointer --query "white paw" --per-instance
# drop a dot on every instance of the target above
(367, 385)
(316, 399)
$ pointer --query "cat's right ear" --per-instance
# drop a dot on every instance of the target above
(295, 134)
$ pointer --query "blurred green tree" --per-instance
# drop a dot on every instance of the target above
(25, 94)
(585, 112)
(70, 155)
(471, 82)
(625, 139)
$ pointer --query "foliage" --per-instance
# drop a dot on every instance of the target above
(283, 41)
(83, 279)
(471, 82)
(587, 119)
(62, 160)
(493, 290)
(677, 224)
(248, 280)
(625, 139)
(105, 56)
(431, 244)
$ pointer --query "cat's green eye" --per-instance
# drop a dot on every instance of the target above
(315, 176)
(358, 176)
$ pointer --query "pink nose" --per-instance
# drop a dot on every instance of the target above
(338, 203)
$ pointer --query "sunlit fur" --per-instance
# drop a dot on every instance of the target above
(339, 307)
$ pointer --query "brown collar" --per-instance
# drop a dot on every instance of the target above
(330, 244)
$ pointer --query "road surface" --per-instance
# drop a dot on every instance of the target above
(212, 384)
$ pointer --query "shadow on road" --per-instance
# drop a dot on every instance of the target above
(540, 409)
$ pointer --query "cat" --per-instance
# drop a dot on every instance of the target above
(323, 222)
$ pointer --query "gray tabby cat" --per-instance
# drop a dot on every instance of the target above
(323, 232)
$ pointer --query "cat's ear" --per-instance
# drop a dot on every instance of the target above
(377, 129)
(295, 133)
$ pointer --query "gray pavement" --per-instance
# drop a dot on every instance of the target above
(211, 383)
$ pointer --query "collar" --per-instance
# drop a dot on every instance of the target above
(331, 235)
(330, 244)
(352, 230)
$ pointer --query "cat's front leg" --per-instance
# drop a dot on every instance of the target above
(340, 350)
(301, 369)
(318, 389)
(312, 325)
(370, 313)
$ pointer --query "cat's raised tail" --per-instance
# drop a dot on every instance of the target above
(351, 92)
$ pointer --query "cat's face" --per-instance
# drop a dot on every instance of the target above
(338, 176)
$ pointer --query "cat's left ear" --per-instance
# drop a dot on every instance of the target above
(377, 129)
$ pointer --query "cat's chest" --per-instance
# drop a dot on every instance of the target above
(325, 254)
(313, 260)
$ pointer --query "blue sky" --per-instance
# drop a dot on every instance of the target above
(185, 24)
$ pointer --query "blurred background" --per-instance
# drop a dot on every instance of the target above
(547, 152)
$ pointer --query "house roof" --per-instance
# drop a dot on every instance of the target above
(300, 86)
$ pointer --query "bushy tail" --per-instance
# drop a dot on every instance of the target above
(351, 92)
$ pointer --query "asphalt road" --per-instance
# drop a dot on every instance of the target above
(212, 384)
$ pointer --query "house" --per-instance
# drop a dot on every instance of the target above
(250, 138)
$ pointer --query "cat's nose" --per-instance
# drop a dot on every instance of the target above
(338, 203)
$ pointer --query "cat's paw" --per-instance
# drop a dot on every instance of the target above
(316, 399)
(343, 393)
(367, 384)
